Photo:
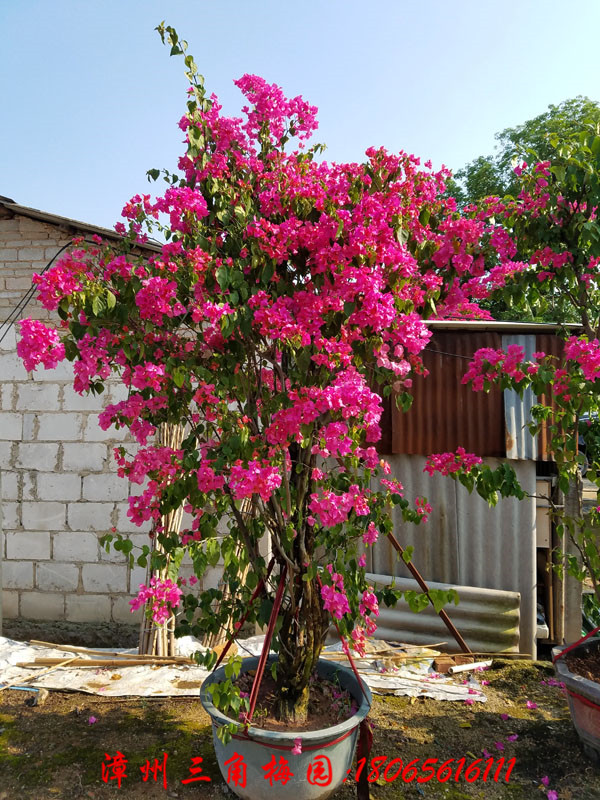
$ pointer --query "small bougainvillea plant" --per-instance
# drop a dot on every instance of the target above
(290, 296)
(554, 232)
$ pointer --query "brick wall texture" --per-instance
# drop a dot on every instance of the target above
(60, 490)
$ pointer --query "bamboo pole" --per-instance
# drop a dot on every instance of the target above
(156, 639)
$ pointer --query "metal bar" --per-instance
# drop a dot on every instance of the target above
(419, 579)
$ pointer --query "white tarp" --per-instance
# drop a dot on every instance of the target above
(384, 675)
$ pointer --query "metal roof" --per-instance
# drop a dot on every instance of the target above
(56, 219)
(497, 326)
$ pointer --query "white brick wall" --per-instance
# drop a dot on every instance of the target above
(68, 546)
(27, 545)
(104, 578)
(53, 576)
(55, 486)
(60, 488)
(81, 457)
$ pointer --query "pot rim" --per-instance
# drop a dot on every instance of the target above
(320, 736)
(561, 667)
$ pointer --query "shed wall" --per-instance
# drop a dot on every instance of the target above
(465, 542)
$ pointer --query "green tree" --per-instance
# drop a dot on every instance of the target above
(494, 175)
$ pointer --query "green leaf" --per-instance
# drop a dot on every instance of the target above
(223, 277)
(179, 376)
(97, 306)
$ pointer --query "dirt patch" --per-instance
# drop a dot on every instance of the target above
(56, 751)
(329, 704)
(80, 634)
(586, 665)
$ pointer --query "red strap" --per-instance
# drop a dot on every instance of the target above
(363, 750)
(575, 644)
(267, 644)
(272, 746)
(257, 591)
(583, 700)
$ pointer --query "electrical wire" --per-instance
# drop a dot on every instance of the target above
(26, 299)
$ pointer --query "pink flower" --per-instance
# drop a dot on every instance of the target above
(531, 704)
(546, 780)
(499, 746)
(469, 701)
(91, 720)
(552, 795)
(512, 738)
(297, 748)
(504, 717)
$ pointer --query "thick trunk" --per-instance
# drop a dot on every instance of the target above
(302, 635)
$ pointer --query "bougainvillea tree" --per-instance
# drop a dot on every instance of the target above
(289, 297)
(553, 231)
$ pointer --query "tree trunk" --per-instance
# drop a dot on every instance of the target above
(302, 636)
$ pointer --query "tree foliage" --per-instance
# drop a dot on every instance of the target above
(493, 174)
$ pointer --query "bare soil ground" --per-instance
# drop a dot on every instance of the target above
(55, 751)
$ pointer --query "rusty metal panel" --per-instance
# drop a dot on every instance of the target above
(488, 619)
(465, 541)
(551, 344)
(446, 414)
(520, 444)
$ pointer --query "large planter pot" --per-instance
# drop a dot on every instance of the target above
(322, 750)
(584, 698)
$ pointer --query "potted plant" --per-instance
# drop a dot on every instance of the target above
(288, 297)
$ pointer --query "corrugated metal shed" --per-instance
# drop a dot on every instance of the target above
(465, 542)
(517, 410)
(488, 619)
(446, 414)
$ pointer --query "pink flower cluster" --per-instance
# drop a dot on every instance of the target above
(334, 509)
(60, 281)
(161, 462)
(155, 299)
(256, 478)
(39, 345)
(163, 596)
(333, 595)
(448, 463)
(273, 109)
(586, 354)
(488, 362)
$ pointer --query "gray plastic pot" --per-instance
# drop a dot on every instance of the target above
(583, 696)
(337, 744)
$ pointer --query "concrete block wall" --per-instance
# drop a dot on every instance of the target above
(59, 483)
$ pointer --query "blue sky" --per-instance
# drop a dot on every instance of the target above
(90, 98)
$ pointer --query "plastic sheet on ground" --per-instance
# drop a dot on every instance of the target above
(387, 669)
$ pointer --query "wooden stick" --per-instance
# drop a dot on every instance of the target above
(100, 662)
(113, 653)
(20, 681)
